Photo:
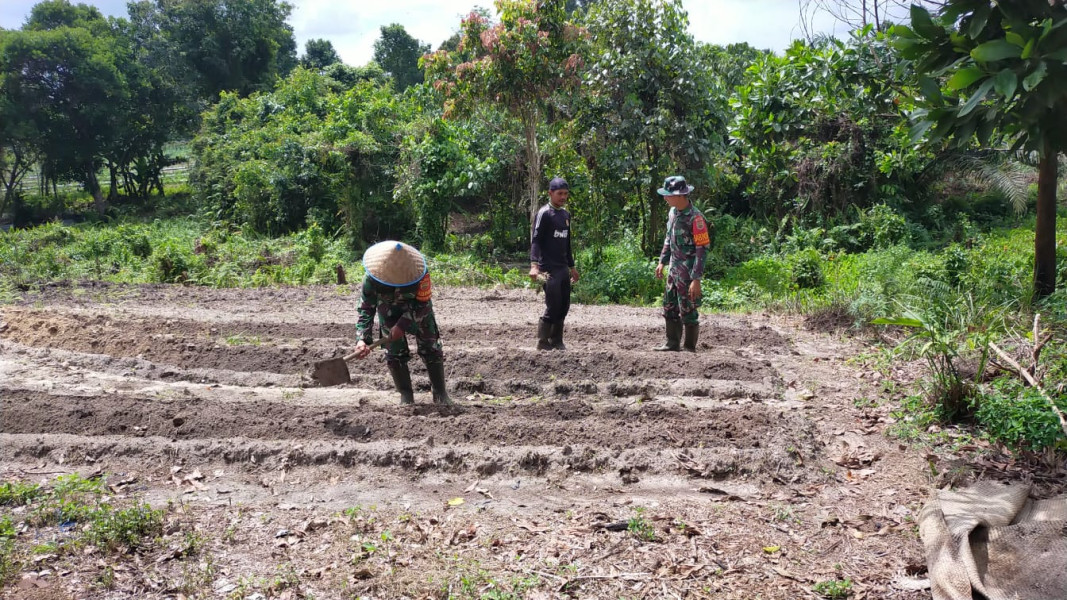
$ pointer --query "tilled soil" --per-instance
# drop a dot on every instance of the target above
(750, 461)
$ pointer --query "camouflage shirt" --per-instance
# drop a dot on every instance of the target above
(407, 306)
(686, 243)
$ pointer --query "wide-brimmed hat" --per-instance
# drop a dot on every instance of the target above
(394, 263)
(675, 185)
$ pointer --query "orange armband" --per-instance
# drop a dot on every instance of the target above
(700, 231)
(425, 290)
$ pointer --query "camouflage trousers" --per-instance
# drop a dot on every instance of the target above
(427, 337)
(676, 302)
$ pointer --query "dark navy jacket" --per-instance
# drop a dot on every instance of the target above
(551, 244)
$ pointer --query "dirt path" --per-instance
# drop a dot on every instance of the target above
(753, 465)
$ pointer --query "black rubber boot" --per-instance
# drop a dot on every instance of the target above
(556, 337)
(692, 334)
(436, 371)
(544, 332)
(402, 381)
(674, 337)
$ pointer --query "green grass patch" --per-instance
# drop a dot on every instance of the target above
(18, 493)
(72, 513)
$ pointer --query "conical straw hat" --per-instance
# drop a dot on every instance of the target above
(394, 263)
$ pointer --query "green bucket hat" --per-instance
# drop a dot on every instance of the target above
(675, 185)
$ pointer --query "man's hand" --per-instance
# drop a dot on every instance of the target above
(574, 275)
(659, 270)
(535, 272)
(362, 350)
(694, 290)
(395, 333)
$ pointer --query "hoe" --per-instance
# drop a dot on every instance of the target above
(334, 371)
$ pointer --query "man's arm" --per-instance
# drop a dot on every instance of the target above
(368, 306)
(535, 246)
(665, 253)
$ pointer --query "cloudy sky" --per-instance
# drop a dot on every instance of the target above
(353, 27)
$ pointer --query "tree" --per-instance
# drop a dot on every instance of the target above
(67, 85)
(729, 63)
(319, 54)
(230, 45)
(399, 53)
(650, 101)
(856, 14)
(998, 67)
(517, 64)
(18, 145)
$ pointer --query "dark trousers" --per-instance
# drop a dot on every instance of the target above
(557, 295)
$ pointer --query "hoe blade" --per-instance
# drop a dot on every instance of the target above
(333, 371)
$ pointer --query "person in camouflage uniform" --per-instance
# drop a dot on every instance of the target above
(684, 249)
(397, 289)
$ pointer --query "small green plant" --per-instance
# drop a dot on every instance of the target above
(18, 493)
(106, 578)
(241, 339)
(126, 528)
(785, 513)
(947, 327)
(834, 588)
(640, 527)
(865, 402)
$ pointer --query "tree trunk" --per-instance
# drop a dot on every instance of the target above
(113, 172)
(533, 165)
(657, 208)
(1045, 230)
(94, 188)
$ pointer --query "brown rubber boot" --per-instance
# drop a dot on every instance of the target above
(544, 333)
(436, 371)
(692, 334)
(674, 337)
(556, 337)
(402, 381)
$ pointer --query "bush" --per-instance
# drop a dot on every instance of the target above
(806, 269)
(172, 262)
(1018, 416)
(883, 227)
(622, 274)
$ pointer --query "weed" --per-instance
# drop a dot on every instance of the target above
(865, 402)
(292, 394)
(640, 527)
(785, 513)
(18, 493)
(241, 339)
(9, 565)
(126, 528)
(106, 578)
(834, 588)
(230, 534)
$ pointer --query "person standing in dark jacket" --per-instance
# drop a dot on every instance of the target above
(552, 262)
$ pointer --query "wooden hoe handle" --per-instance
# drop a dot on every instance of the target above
(372, 345)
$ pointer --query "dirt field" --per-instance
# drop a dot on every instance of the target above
(755, 468)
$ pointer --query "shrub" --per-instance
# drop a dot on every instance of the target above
(882, 227)
(806, 269)
(172, 262)
(1018, 416)
(622, 274)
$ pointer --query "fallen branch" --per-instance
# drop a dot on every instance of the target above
(1033, 382)
(623, 576)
